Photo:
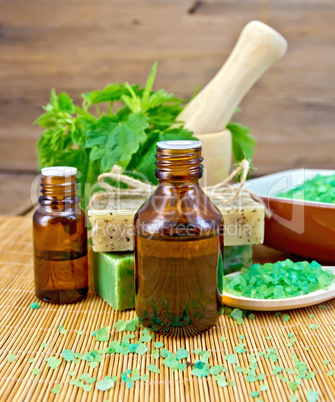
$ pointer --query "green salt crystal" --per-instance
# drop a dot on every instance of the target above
(112, 278)
(280, 280)
(286, 317)
(320, 188)
(312, 396)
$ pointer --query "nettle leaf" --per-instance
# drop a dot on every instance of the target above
(51, 145)
(164, 116)
(161, 97)
(149, 84)
(111, 93)
(47, 119)
(53, 98)
(243, 143)
(79, 130)
(65, 103)
(144, 160)
(118, 139)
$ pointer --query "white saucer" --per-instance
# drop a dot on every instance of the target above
(247, 303)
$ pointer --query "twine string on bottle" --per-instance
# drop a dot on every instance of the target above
(141, 189)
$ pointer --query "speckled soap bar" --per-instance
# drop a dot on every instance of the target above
(112, 226)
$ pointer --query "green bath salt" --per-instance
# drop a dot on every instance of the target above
(320, 188)
(280, 280)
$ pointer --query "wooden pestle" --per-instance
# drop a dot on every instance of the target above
(256, 50)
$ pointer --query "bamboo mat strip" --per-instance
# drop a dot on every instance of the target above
(23, 330)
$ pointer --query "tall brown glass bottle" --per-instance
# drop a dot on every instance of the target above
(60, 239)
(178, 246)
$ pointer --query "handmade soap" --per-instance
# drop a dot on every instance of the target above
(112, 224)
(112, 274)
(243, 219)
(112, 278)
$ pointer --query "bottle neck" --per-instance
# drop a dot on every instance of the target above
(59, 192)
(178, 166)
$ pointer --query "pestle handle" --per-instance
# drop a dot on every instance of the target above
(257, 49)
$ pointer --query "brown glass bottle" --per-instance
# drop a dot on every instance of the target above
(178, 246)
(60, 239)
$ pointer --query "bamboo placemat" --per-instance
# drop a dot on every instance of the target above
(23, 330)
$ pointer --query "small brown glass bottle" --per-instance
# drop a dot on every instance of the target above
(60, 239)
(178, 246)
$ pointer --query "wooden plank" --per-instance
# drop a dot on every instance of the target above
(15, 193)
(290, 110)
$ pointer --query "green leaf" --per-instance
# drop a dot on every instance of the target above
(53, 98)
(65, 103)
(35, 371)
(34, 306)
(149, 84)
(144, 160)
(243, 143)
(119, 140)
(111, 93)
(51, 145)
(46, 120)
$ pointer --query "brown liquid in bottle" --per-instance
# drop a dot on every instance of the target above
(60, 241)
(178, 247)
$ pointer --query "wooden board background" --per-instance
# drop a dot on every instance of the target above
(78, 45)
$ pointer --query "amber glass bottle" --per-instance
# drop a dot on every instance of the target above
(60, 239)
(178, 246)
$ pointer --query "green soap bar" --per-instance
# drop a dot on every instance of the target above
(236, 258)
(112, 278)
